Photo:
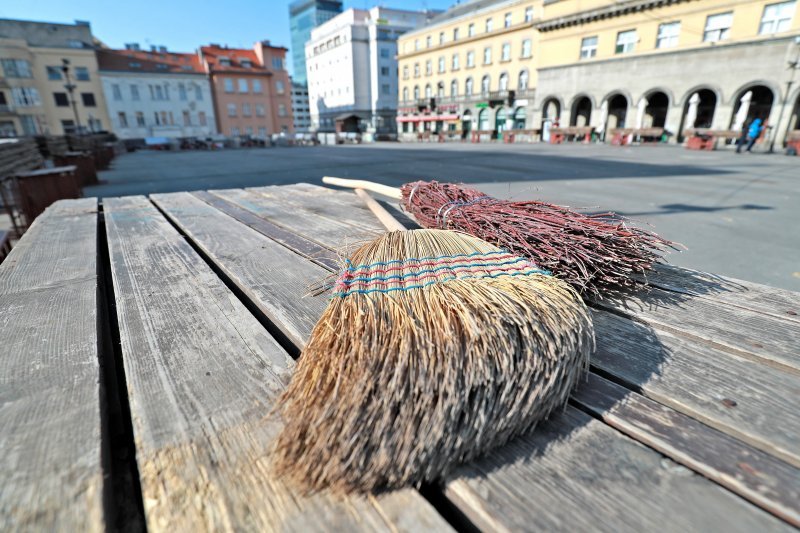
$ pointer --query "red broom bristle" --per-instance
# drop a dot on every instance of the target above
(591, 252)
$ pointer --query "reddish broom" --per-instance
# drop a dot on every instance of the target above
(592, 252)
(435, 347)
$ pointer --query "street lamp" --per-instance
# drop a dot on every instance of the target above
(70, 87)
(793, 66)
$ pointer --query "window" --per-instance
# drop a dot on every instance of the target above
(485, 84)
(134, 64)
(279, 87)
(718, 27)
(428, 41)
(74, 43)
(88, 99)
(228, 85)
(246, 112)
(281, 110)
(668, 34)
(277, 63)
(201, 116)
(242, 85)
(262, 132)
(528, 14)
(441, 37)
(224, 61)
(416, 44)
(416, 70)
(384, 71)
(158, 120)
(507, 20)
(455, 34)
(405, 94)
(416, 92)
(468, 87)
(81, 73)
(428, 68)
(405, 72)
(385, 88)
(181, 92)
(526, 48)
(385, 53)
(140, 119)
(171, 121)
(454, 88)
(231, 110)
(135, 92)
(470, 59)
(488, 25)
(54, 73)
(166, 92)
(505, 52)
(123, 119)
(116, 92)
(503, 82)
(522, 84)
(25, 96)
(428, 91)
(441, 64)
(487, 55)
(626, 42)
(260, 110)
(61, 99)
(248, 130)
(589, 47)
(257, 86)
(440, 90)
(455, 62)
(246, 63)
(16, 68)
(471, 30)
(777, 17)
(68, 125)
(235, 132)
(198, 91)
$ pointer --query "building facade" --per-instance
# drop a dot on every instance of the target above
(676, 65)
(352, 69)
(471, 69)
(156, 93)
(251, 89)
(35, 96)
(305, 15)
(301, 113)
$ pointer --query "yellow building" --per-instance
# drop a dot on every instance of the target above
(471, 68)
(34, 98)
(669, 64)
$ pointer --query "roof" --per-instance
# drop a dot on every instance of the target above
(238, 57)
(144, 61)
(463, 9)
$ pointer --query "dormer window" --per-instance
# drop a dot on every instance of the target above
(246, 63)
(224, 61)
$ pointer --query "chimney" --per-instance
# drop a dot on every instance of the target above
(162, 49)
(153, 48)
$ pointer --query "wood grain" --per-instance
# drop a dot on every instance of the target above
(203, 376)
(51, 475)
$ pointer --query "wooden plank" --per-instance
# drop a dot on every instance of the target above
(328, 232)
(51, 475)
(574, 473)
(763, 338)
(753, 474)
(213, 237)
(203, 376)
(768, 300)
(736, 395)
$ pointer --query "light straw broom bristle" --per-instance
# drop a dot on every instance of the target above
(436, 346)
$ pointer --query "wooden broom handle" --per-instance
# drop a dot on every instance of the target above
(385, 190)
(389, 222)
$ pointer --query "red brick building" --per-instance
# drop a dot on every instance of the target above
(251, 89)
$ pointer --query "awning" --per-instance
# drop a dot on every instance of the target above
(427, 118)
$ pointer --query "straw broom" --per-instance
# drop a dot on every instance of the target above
(435, 347)
(591, 252)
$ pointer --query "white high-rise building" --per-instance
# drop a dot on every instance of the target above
(351, 63)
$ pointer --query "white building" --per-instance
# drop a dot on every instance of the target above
(352, 69)
(300, 111)
(156, 93)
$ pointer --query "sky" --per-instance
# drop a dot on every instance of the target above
(182, 25)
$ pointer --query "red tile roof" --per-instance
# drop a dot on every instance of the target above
(142, 61)
(214, 54)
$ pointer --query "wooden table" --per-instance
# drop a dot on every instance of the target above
(167, 327)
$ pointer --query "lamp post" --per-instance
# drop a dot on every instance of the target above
(70, 87)
(793, 65)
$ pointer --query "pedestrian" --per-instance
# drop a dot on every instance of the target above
(753, 133)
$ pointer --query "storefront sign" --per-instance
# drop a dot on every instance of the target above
(520, 102)
(482, 105)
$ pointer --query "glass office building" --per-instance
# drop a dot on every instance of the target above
(303, 16)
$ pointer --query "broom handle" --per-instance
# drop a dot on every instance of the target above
(389, 222)
(392, 192)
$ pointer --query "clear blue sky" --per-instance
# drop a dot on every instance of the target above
(182, 25)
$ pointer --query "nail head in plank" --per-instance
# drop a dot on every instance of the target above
(51, 475)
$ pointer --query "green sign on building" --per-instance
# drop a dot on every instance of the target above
(481, 105)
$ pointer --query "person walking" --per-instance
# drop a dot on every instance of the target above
(753, 133)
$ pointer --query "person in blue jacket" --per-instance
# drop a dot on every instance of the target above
(752, 136)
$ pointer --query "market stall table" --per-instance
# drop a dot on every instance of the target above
(167, 326)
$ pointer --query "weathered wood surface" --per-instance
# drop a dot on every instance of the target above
(220, 243)
(203, 375)
(755, 475)
(51, 475)
(736, 395)
(574, 473)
